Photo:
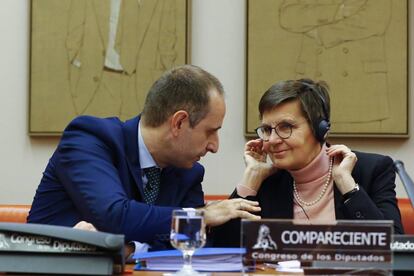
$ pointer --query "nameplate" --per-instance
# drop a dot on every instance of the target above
(23, 242)
(344, 244)
(403, 243)
(403, 249)
(48, 249)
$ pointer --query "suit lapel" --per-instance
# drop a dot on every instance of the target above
(278, 196)
(339, 205)
(169, 189)
(131, 151)
(288, 211)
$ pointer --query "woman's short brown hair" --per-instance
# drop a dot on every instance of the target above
(313, 97)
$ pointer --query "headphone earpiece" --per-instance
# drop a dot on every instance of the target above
(323, 125)
(322, 129)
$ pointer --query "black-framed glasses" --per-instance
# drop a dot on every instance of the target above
(283, 130)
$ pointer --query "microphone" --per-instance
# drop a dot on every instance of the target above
(405, 179)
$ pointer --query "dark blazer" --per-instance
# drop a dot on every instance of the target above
(94, 175)
(376, 199)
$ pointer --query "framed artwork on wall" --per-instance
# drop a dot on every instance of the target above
(100, 57)
(359, 47)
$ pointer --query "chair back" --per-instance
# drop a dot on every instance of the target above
(14, 213)
(407, 215)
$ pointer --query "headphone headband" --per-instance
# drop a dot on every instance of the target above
(323, 125)
(313, 88)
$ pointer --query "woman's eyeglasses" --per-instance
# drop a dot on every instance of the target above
(283, 130)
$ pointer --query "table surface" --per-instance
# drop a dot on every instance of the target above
(130, 271)
(261, 271)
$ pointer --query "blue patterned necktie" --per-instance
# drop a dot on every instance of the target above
(152, 188)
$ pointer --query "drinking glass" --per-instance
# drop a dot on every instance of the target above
(187, 234)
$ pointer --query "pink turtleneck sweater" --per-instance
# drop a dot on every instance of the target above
(309, 183)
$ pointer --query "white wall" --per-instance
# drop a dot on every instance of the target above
(218, 45)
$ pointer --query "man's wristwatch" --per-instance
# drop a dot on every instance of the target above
(351, 193)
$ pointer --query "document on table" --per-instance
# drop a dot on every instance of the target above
(204, 259)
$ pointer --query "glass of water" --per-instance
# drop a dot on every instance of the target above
(187, 234)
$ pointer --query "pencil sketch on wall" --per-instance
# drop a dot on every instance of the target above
(358, 46)
(100, 57)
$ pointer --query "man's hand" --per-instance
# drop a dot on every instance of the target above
(219, 212)
(83, 225)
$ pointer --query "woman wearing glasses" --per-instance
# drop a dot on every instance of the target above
(307, 179)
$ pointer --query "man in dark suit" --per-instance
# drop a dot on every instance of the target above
(128, 177)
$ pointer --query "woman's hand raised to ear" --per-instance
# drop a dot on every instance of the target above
(257, 167)
(343, 165)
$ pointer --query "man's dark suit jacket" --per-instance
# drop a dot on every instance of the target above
(376, 199)
(94, 175)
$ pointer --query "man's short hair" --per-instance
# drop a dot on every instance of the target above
(186, 87)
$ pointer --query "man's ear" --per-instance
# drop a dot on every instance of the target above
(178, 119)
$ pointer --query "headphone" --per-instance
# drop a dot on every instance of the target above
(322, 125)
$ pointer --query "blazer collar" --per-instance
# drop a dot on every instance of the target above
(131, 150)
(280, 194)
(288, 212)
(131, 142)
(131, 139)
(132, 156)
(339, 205)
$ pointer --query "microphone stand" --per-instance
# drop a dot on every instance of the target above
(405, 179)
